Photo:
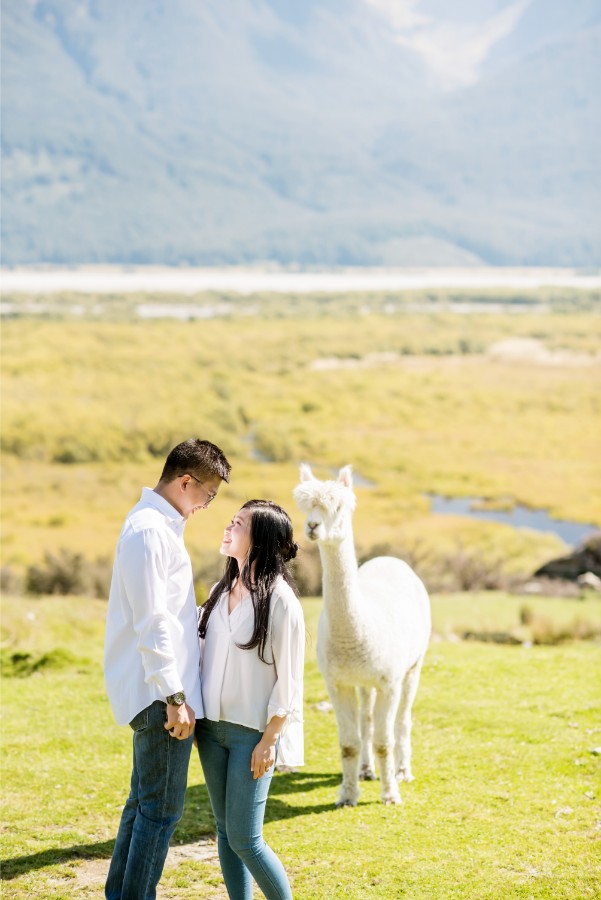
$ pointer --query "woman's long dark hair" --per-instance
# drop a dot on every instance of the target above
(271, 548)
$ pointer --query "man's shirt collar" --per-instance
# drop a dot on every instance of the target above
(151, 497)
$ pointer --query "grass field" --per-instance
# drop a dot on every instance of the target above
(498, 399)
(506, 802)
(418, 402)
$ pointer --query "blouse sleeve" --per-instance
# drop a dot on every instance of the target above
(288, 649)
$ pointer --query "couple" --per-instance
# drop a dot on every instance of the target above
(246, 709)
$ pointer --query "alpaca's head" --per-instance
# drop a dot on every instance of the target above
(328, 505)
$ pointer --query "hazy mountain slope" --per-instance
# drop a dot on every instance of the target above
(222, 133)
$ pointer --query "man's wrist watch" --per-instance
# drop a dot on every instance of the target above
(177, 699)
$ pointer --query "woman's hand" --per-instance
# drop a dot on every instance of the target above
(263, 758)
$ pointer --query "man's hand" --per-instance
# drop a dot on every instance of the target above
(180, 721)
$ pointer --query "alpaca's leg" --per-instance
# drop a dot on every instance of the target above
(344, 701)
(403, 724)
(385, 708)
(367, 767)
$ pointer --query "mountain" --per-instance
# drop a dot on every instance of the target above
(340, 132)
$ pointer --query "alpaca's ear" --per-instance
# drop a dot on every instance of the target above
(305, 473)
(345, 476)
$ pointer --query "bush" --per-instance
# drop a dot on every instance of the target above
(21, 664)
(66, 572)
(540, 629)
(468, 571)
(415, 554)
(546, 632)
(306, 569)
(273, 445)
(526, 615)
(74, 451)
(457, 570)
(11, 582)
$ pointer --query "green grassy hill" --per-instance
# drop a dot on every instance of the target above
(505, 801)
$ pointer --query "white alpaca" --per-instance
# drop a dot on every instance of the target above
(373, 634)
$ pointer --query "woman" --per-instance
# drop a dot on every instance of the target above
(253, 640)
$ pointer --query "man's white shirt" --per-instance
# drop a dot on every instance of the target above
(151, 646)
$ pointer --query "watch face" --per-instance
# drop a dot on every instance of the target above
(177, 699)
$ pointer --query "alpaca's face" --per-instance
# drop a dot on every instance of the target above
(328, 506)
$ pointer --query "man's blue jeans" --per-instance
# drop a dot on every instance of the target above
(238, 802)
(153, 808)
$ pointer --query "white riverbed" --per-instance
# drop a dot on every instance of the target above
(155, 279)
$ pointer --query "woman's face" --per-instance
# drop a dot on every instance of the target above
(236, 538)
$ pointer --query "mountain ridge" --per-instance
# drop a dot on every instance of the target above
(179, 133)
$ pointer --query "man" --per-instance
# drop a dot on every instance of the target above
(151, 661)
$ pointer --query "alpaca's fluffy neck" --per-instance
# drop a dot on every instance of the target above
(341, 596)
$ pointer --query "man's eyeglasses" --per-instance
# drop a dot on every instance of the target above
(210, 497)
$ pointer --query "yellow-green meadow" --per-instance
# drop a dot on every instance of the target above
(497, 405)
(497, 400)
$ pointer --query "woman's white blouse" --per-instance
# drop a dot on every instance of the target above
(238, 687)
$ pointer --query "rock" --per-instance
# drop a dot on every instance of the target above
(564, 811)
(590, 580)
(532, 587)
(585, 559)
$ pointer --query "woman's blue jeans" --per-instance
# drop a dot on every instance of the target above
(153, 809)
(238, 802)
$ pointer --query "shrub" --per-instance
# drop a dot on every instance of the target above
(62, 573)
(273, 445)
(74, 451)
(11, 582)
(20, 664)
(306, 569)
(66, 572)
(471, 572)
(15, 664)
(537, 628)
(526, 614)
(415, 554)
(458, 570)
(544, 631)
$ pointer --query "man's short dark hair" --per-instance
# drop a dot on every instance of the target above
(194, 457)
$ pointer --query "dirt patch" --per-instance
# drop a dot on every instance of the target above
(534, 352)
(204, 850)
(90, 874)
